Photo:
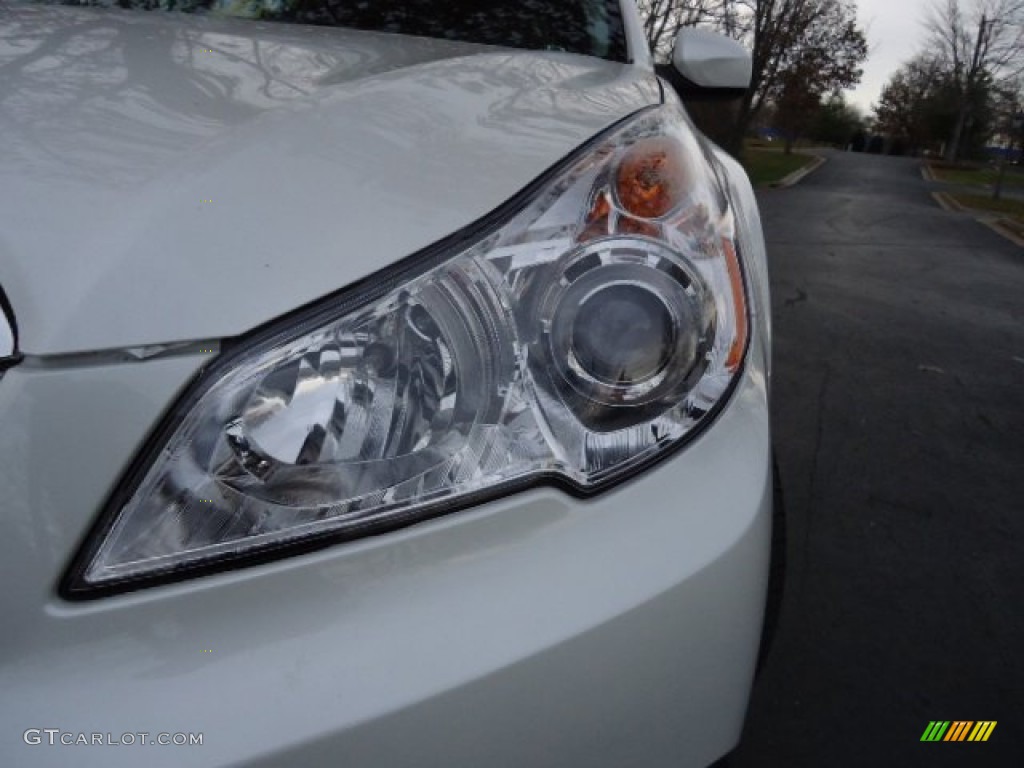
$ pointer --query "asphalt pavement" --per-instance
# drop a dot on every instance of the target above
(898, 413)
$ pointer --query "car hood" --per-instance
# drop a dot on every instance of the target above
(169, 177)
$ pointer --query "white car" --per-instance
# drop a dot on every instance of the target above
(386, 388)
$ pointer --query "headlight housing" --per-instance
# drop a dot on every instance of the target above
(578, 337)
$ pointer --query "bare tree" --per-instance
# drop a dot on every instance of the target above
(825, 59)
(1010, 126)
(664, 18)
(909, 104)
(978, 40)
(784, 35)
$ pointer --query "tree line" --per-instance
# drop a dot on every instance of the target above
(965, 88)
(805, 53)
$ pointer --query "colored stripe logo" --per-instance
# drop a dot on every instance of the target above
(958, 730)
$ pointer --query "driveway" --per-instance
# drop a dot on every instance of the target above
(899, 426)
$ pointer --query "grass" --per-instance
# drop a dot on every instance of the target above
(778, 144)
(976, 176)
(770, 166)
(1013, 209)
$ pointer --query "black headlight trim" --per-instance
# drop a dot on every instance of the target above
(73, 585)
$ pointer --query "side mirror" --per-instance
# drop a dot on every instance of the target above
(712, 66)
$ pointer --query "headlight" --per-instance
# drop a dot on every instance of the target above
(585, 334)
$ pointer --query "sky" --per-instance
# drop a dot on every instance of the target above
(895, 33)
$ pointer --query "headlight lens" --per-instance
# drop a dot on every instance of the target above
(583, 337)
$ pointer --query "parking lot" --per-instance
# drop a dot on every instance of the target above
(899, 432)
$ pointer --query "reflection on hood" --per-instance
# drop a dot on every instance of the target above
(216, 173)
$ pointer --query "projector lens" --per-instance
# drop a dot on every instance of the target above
(623, 334)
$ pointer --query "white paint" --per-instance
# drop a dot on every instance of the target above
(327, 155)
(711, 60)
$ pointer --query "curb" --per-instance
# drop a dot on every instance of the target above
(927, 174)
(997, 226)
(797, 176)
(995, 223)
(947, 203)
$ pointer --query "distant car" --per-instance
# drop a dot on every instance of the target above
(384, 388)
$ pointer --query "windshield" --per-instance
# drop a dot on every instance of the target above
(590, 27)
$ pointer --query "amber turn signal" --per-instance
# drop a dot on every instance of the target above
(652, 180)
